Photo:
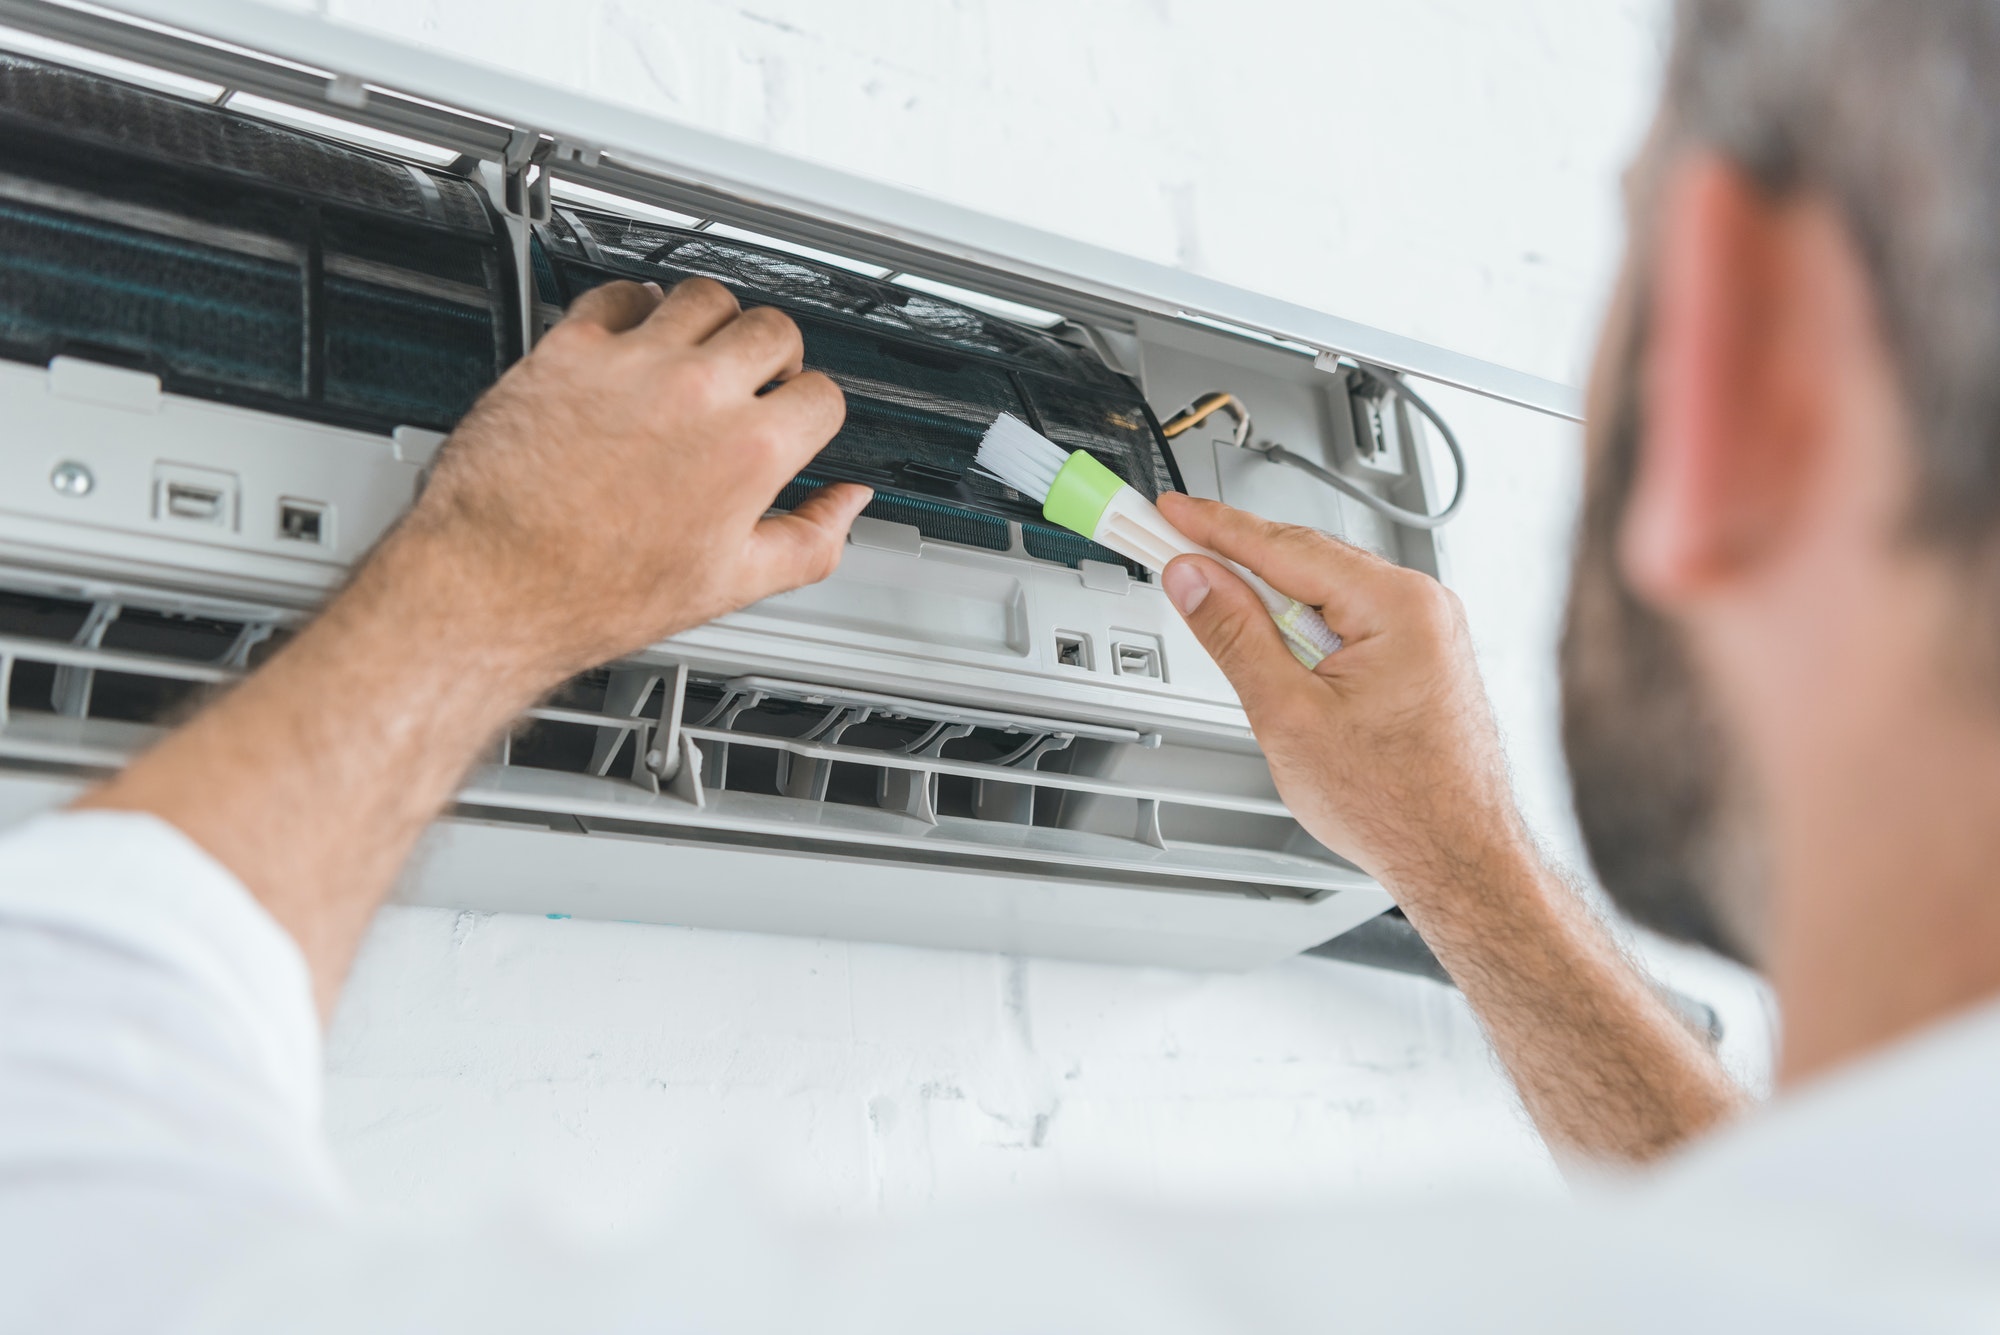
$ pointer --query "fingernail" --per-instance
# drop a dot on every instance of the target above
(658, 291)
(1185, 585)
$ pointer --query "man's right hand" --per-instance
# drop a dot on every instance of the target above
(1387, 753)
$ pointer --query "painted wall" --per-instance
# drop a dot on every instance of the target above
(1445, 169)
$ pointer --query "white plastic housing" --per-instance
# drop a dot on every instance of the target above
(1167, 843)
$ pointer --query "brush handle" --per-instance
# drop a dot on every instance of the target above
(1133, 527)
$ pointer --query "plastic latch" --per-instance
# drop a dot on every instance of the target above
(886, 535)
(112, 386)
(1103, 576)
(416, 445)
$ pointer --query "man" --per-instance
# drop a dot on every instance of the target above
(1782, 679)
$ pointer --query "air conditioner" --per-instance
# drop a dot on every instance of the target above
(253, 265)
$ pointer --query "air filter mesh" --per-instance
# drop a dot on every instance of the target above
(240, 260)
(192, 134)
(923, 377)
(229, 318)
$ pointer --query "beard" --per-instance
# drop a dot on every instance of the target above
(1663, 817)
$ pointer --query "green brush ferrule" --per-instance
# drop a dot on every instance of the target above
(1082, 489)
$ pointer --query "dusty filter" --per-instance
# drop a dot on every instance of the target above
(924, 379)
(240, 260)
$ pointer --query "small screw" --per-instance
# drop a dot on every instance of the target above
(655, 759)
(71, 478)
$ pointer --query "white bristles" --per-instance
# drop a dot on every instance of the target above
(1021, 456)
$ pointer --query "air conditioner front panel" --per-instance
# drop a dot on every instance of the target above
(981, 731)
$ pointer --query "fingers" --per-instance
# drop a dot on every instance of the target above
(751, 348)
(616, 307)
(758, 346)
(803, 414)
(1237, 632)
(1353, 589)
(803, 547)
(692, 312)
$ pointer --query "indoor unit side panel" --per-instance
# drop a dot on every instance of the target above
(1424, 491)
(1290, 409)
(1397, 462)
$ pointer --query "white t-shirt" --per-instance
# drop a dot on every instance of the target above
(162, 1168)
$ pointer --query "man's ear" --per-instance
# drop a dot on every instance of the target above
(1732, 396)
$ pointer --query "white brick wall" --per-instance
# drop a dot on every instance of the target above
(1444, 168)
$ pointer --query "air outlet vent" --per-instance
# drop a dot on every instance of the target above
(665, 752)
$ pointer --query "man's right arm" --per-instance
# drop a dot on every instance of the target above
(1388, 754)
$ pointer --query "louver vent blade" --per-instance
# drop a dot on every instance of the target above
(770, 762)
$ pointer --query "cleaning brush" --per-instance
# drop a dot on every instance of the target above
(1082, 495)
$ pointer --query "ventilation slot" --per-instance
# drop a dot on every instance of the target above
(666, 753)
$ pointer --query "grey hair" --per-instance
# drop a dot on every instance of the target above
(1890, 110)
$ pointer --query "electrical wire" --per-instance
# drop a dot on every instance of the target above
(1277, 453)
(1207, 405)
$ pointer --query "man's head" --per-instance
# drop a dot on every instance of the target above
(1794, 476)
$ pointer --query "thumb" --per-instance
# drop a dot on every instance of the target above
(802, 547)
(1235, 629)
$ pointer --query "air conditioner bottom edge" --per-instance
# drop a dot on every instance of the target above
(481, 866)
